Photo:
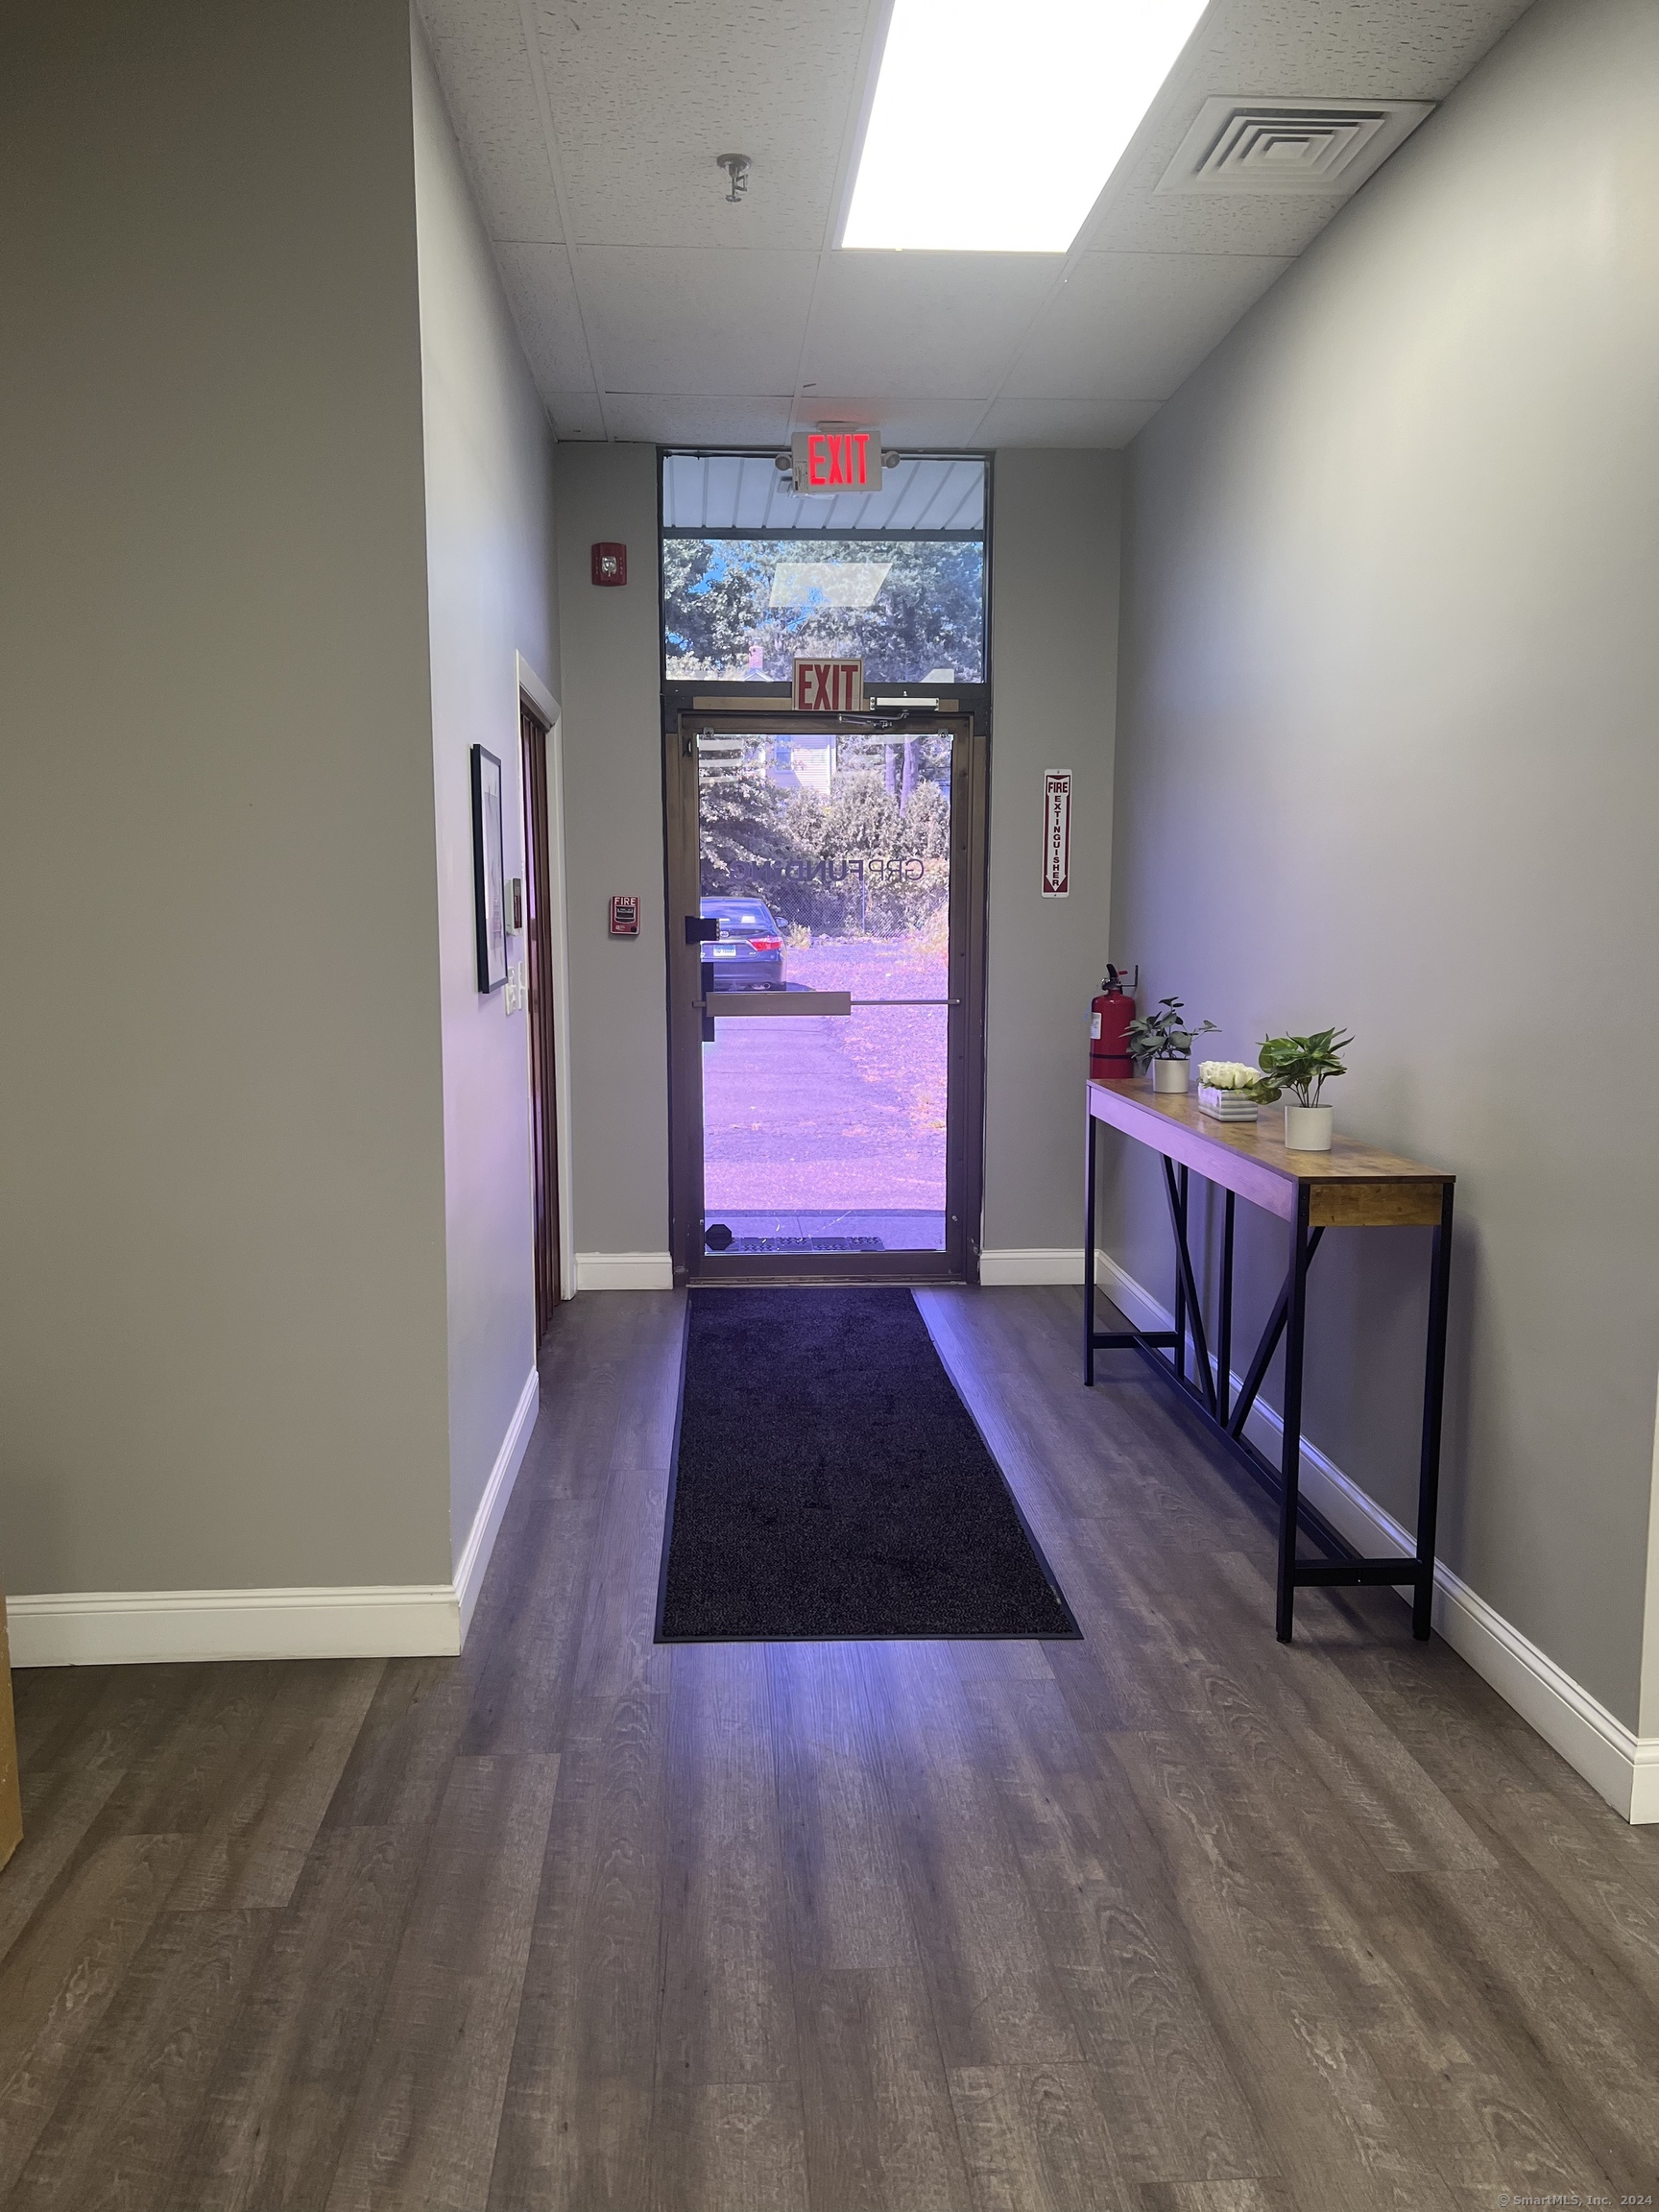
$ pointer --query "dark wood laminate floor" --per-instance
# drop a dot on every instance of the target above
(1173, 1921)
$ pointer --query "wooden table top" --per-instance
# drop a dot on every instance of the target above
(1354, 1186)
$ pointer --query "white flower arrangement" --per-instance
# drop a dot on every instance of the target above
(1227, 1075)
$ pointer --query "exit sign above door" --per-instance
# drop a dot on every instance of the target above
(836, 460)
(828, 686)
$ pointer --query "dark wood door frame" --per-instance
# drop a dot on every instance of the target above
(965, 1135)
(540, 954)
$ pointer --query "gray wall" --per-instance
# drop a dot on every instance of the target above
(1054, 646)
(222, 1308)
(490, 562)
(1386, 757)
(613, 842)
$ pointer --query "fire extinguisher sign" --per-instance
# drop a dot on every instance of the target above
(1056, 833)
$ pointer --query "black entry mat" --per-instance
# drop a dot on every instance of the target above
(829, 1484)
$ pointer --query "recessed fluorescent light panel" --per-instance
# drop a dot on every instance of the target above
(995, 126)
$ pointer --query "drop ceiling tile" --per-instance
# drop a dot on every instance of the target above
(542, 296)
(1371, 49)
(914, 425)
(668, 418)
(1142, 221)
(1065, 421)
(645, 93)
(575, 414)
(1135, 325)
(696, 321)
(484, 67)
(931, 326)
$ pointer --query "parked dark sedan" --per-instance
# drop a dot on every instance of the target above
(748, 955)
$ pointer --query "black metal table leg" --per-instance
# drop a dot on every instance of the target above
(1265, 1350)
(1434, 1405)
(1179, 1205)
(1291, 1458)
(1224, 1345)
(1188, 1302)
(1091, 1148)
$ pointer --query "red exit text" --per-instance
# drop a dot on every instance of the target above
(828, 686)
(836, 460)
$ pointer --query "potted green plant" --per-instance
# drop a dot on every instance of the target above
(1302, 1066)
(1164, 1042)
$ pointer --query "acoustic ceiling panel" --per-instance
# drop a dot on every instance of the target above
(664, 418)
(1065, 421)
(696, 321)
(542, 293)
(484, 65)
(932, 325)
(1135, 325)
(645, 93)
(576, 414)
(1369, 49)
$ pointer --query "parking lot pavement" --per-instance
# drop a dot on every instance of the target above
(829, 1115)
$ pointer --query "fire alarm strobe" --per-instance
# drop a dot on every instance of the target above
(624, 916)
(610, 564)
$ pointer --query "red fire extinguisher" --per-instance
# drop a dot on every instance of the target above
(1109, 1018)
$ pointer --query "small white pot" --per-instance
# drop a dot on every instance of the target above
(1307, 1128)
(1171, 1074)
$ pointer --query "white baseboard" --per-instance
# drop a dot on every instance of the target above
(369, 1620)
(624, 1271)
(1612, 1757)
(486, 1521)
(1012, 1263)
(153, 1627)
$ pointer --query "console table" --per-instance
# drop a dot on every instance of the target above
(1353, 1185)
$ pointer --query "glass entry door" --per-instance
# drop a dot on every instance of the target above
(825, 924)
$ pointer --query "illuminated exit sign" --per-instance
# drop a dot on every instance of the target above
(836, 460)
(828, 686)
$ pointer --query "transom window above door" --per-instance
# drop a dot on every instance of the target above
(755, 575)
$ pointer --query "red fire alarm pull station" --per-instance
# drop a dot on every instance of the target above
(624, 916)
(610, 564)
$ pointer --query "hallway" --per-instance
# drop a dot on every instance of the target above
(1173, 1921)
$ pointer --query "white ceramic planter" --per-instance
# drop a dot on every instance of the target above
(1307, 1128)
(1171, 1074)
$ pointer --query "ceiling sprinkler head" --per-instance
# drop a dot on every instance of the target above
(736, 168)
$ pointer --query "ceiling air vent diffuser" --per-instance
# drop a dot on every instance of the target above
(1290, 145)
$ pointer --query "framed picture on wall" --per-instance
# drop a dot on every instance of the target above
(490, 902)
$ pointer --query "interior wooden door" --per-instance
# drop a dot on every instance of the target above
(539, 941)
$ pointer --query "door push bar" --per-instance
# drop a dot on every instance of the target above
(796, 1004)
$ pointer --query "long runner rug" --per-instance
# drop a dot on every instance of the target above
(829, 1483)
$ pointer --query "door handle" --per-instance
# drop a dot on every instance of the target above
(797, 1004)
